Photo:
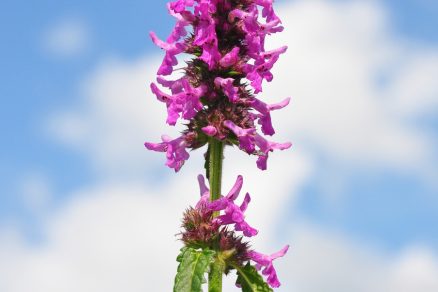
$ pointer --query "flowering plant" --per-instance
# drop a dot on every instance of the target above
(216, 96)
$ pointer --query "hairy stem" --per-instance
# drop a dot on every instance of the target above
(215, 276)
(216, 149)
(216, 155)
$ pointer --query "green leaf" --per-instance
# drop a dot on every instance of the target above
(193, 265)
(250, 280)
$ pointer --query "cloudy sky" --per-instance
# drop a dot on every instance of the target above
(83, 207)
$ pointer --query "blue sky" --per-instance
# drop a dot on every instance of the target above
(383, 205)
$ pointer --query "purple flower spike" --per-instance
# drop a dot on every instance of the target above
(265, 147)
(265, 115)
(225, 66)
(217, 94)
(175, 150)
(265, 262)
(228, 88)
(245, 136)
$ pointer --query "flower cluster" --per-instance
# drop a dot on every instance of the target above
(203, 230)
(217, 93)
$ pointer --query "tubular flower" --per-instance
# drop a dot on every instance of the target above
(265, 262)
(175, 149)
(233, 214)
(217, 93)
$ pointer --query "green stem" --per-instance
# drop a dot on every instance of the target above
(216, 156)
(215, 276)
(216, 149)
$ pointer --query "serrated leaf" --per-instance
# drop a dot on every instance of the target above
(250, 280)
(193, 265)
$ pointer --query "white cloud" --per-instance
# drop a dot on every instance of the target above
(67, 38)
(36, 192)
(322, 261)
(117, 116)
(336, 51)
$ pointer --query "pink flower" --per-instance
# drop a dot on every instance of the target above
(265, 147)
(204, 192)
(173, 109)
(210, 54)
(209, 131)
(172, 49)
(233, 214)
(227, 86)
(245, 136)
(268, 10)
(184, 101)
(265, 262)
(175, 149)
(184, 18)
(189, 99)
(230, 58)
(262, 68)
(175, 86)
(265, 115)
(180, 5)
(205, 33)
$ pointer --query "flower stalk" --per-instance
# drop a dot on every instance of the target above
(216, 156)
(215, 152)
(215, 276)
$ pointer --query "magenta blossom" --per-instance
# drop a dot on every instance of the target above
(172, 49)
(227, 86)
(184, 102)
(209, 131)
(176, 152)
(230, 58)
(265, 147)
(265, 262)
(262, 68)
(245, 136)
(265, 113)
(233, 214)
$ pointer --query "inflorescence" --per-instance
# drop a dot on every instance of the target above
(217, 93)
(203, 230)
